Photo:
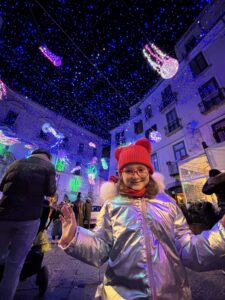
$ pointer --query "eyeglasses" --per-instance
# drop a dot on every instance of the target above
(140, 171)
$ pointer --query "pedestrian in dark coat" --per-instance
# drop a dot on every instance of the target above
(24, 186)
(44, 215)
(57, 226)
(216, 184)
(88, 207)
(79, 210)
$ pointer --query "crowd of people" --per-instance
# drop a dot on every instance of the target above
(81, 208)
(141, 232)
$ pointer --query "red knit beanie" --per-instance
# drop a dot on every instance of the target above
(139, 153)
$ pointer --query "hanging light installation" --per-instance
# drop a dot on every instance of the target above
(155, 136)
(165, 65)
(2, 90)
(53, 58)
(46, 127)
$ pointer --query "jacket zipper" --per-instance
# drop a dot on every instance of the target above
(148, 248)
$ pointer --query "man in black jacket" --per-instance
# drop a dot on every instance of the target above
(216, 184)
(24, 186)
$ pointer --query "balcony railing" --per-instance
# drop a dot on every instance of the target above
(173, 168)
(212, 100)
(173, 127)
(166, 102)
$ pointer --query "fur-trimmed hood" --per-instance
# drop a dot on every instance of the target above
(109, 189)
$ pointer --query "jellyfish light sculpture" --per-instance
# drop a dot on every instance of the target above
(165, 65)
(46, 127)
(53, 58)
(2, 90)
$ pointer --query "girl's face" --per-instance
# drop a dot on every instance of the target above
(135, 176)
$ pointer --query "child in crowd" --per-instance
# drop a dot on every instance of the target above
(143, 236)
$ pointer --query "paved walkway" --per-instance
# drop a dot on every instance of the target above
(71, 279)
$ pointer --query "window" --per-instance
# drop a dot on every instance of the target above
(172, 121)
(152, 128)
(179, 151)
(138, 127)
(148, 112)
(219, 131)
(154, 160)
(171, 116)
(138, 111)
(77, 169)
(167, 93)
(120, 138)
(168, 97)
(198, 64)
(11, 117)
(106, 151)
(117, 138)
(208, 88)
(191, 44)
(94, 152)
(81, 148)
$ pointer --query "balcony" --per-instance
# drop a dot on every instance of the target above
(173, 168)
(212, 101)
(167, 102)
(173, 127)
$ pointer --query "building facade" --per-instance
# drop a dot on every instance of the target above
(185, 114)
(77, 153)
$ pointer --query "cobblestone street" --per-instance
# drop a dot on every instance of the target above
(70, 279)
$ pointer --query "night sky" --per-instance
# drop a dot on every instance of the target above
(103, 70)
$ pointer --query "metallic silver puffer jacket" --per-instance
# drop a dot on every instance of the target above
(147, 243)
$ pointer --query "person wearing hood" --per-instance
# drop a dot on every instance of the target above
(216, 184)
(24, 186)
(142, 235)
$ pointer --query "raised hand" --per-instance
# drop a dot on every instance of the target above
(69, 225)
(222, 221)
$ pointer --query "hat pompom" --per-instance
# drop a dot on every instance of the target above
(144, 143)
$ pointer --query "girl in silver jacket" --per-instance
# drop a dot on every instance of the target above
(143, 236)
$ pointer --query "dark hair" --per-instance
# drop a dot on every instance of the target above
(79, 196)
(42, 151)
(214, 172)
(152, 188)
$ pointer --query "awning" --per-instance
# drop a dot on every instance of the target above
(216, 156)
